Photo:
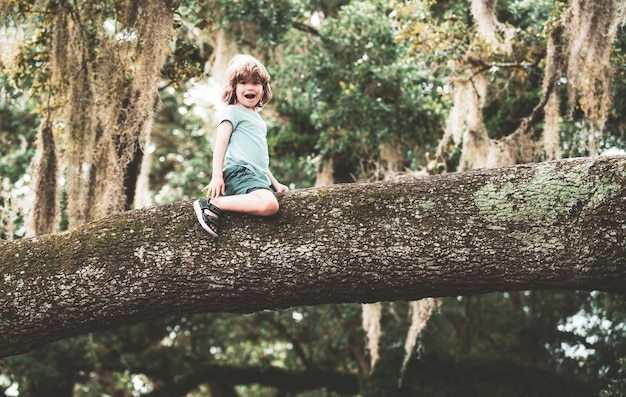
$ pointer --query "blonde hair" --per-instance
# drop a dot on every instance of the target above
(246, 67)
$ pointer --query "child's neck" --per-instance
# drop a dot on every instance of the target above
(254, 110)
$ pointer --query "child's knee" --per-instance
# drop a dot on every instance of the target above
(271, 207)
(267, 203)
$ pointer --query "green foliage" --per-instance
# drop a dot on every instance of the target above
(262, 22)
(52, 371)
(350, 91)
(617, 386)
(600, 327)
(185, 63)
(180, 148)
(19, 127)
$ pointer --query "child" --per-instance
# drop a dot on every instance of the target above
(241, 180)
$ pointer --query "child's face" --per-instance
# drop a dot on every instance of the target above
(249, 92)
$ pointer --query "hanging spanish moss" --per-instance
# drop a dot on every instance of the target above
(420, 311)
(579, 49)
(80, 131)
(591, 27)
(554, 71)
(551, 132)
(519, 147)
(105, 84)
(155, 31)
(4, 8)
(43, 217)
(465, 124)
(493, 31)
(371, 315)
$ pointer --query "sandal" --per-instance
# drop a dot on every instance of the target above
(210, 222)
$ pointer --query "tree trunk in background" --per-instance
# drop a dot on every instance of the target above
(325, 172)
(549, 225)
(225, 50)
(392, 157)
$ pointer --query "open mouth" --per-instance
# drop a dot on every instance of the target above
(250, 96)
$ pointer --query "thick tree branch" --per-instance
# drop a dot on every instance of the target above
(549, 225)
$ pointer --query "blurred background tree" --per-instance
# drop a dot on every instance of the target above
(364, 90)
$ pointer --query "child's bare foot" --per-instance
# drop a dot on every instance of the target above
(208, 216)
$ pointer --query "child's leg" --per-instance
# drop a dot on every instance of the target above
(258, 202)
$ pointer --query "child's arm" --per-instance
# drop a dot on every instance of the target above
(279, 187)
(216, 187)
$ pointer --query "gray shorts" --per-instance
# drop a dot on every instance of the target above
(241, 180)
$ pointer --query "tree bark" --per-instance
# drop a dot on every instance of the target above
(557, 225)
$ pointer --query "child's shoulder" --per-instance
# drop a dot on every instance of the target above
(229, 108)
(230, 111)
(236, 115)
(234, 109)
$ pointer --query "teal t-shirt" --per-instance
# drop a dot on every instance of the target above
(248, 142)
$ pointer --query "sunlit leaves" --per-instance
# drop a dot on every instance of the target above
(359, 89)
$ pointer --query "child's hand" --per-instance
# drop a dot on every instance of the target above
(215, 188)
(279, 187)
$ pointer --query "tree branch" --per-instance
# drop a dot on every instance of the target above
(555, 225)
(553, 74)
(306, 28)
